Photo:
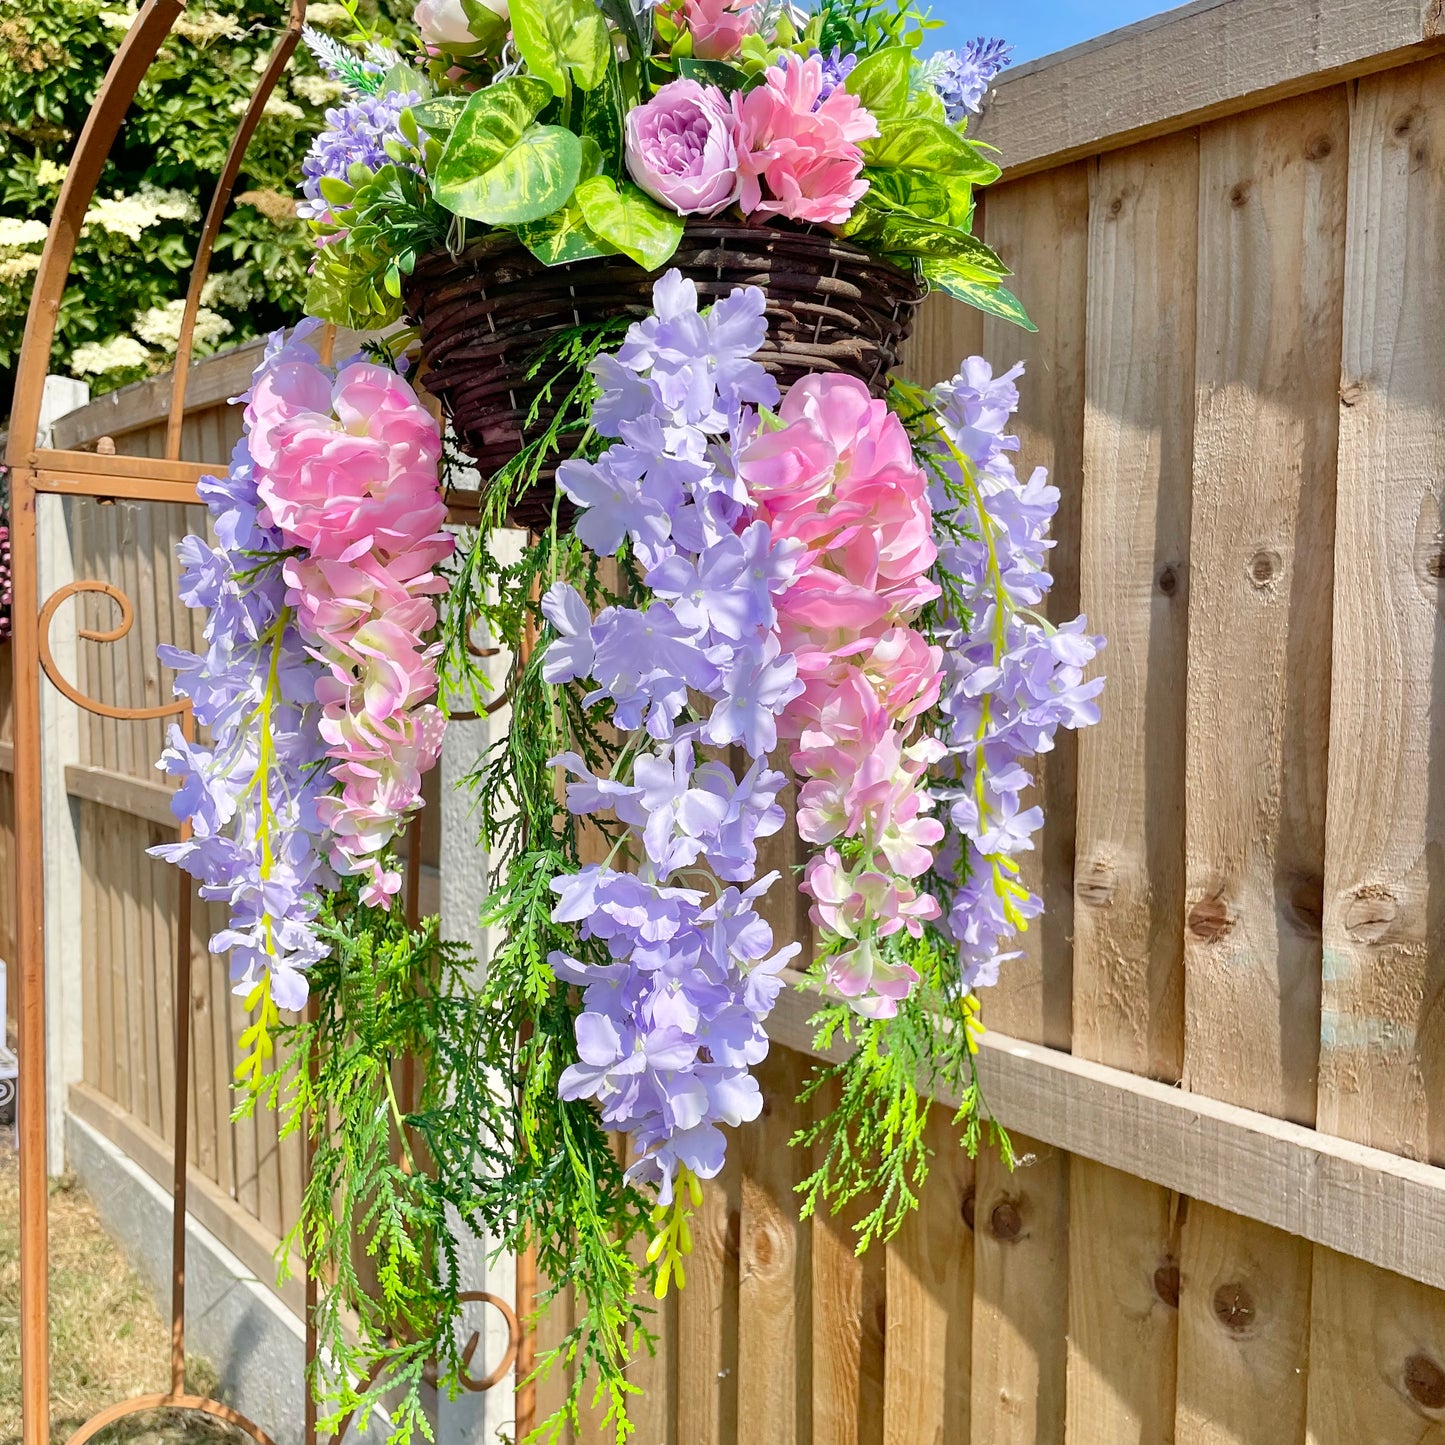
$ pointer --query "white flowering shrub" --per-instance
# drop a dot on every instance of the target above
(121, 313)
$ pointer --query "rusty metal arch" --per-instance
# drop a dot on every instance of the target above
(36, 471)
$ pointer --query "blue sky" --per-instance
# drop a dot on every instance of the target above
(1037, 27)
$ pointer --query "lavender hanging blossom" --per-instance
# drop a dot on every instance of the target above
(962, 77)
(251, 795)
(673, 1022)
(1012, 679)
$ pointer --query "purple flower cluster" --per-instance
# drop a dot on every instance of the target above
(251, 795)
(962, 77)
(672, 1024)
(1011, 678)
(356, 134)
(837, 67)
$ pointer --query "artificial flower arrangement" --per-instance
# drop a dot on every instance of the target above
(762, 613)
(587, 128)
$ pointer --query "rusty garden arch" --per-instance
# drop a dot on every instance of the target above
(37, 471)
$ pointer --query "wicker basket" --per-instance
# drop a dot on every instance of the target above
(484, 314)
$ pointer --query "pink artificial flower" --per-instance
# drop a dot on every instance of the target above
(717, 27)
(680, 148)
(868, 981)
(798, 152)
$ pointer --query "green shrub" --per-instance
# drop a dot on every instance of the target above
(120, 314)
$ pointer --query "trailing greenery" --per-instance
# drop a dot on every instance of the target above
(393, 1173)
(872, 1140)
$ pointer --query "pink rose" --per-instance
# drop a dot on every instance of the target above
(680, 148)
(444, 22)
(717, 27)
(798, 153)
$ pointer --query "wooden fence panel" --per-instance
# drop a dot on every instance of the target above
(1379, 1371)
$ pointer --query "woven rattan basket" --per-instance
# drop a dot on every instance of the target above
(484, 314)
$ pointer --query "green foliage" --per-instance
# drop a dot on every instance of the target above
(564, 42)
(53, 57)
(627, 218)
(499, 166)
(391, 1175)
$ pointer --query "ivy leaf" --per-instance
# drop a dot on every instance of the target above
(555, 37)
(928, 145)
(491, 123)
(532, 180)
(563, 236)
(880, 81)
(500, 168)
(439, 113)
(629, 219)
(905, 235)
(989, 297)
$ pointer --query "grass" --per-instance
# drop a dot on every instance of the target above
(107, 1341)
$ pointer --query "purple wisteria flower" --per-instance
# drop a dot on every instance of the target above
(250, 796)
(1010, 682)
(355, 135)
(962, 77)
(673, 1023)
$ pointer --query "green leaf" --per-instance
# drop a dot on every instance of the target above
(603, 120)
(489, 28)
(992, 298)
(532, 180)
(563, 236)
(712, 72)
(905, 235)
(880, 81)
(439, 113)
(490, 125)
(630, 220)
(928, 145)
(500, 168)
(555, 37)
(405, 78)
(921, 193)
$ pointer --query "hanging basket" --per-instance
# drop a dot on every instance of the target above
(485, 314)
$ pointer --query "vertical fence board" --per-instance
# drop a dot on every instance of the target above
(1243, 1332)
(1377, 1357)
(1378, 1372)
(707, 1312)
(1134, 586)
(1041, 225)
(1123, 1307)
(1271, 255)
(927, 1367)
(774, 1269)
(1271, 258)
(848, 1322)
(1129, 884)
(1383, 1056)
(1020, 1310)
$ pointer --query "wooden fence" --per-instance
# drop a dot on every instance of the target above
(1223, 1052)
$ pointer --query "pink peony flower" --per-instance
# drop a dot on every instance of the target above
(798, 152)
(717, 27)
(366, 478)
(680, 148)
